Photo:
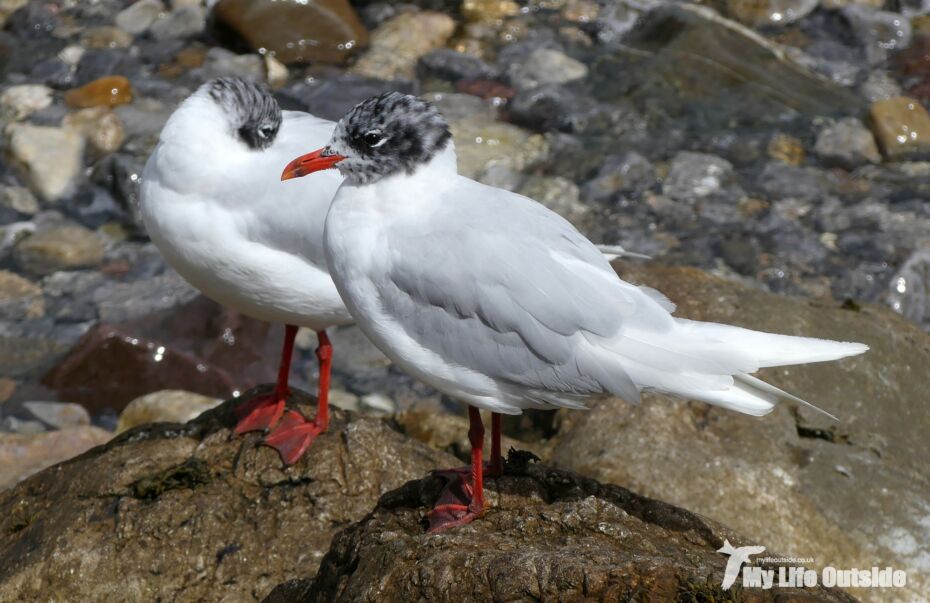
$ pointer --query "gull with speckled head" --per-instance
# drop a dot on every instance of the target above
(213, 204)
(500, 303)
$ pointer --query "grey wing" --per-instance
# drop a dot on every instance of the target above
(511, 290)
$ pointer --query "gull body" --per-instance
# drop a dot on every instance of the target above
(213, 204)
(497, 301)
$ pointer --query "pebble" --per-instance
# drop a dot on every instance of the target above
(181, 23)
(488, 10)
(22, 455)
(879, 85)
(480, 142)
(629, 173)
(22, 101)
(546, 66)
(7, 388)
(847, 143)
(219, 62)
(139, 16)
(692, 176)
(20, 299)
(8, 7)
(123, 302)
(19, 199)
(60, 248)
(106, 37)
(58, 415)
(787, 149)
(902, 127)
(104, 92)
(295, 32)
(769, 12)
(558, 194)
(909, 289)
(879, 31)
(51, 157)
(450, 65)
(167, 405)
(398, 43)
(101, 127)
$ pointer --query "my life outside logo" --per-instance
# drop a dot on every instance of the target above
(794, 575)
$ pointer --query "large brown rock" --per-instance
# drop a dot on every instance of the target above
(847, 494)
(295, 31)
(176, 512)
(547, 535)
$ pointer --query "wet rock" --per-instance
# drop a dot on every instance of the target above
(333, 98)
(793, 480)
(106, 62)
(221, 499)
(398, 44)
(782, 181)
(139, 16)
(60, 248)
(736, 68)
(109, 368)
(34, 20)
(23, 455)
(18, 199)
(546, 535)
(183, 22)
(8, 7)
(219, 62)
(165, 406)
(560, 195)
(902, 127)
(50, 157)
(879, 85)
(124, 302)
(909, 289)
(450, 65)
(58, 415)
(756, 13)
(786, 149)
(106, 37)
(121, 175)
(101, 127)
(104, 92)
(879, 31)
(847, 143)
(693, 176)
(20, 299)
(22, 101)
(546, 66)
(630, 173)
(481, 142)
(296, 32)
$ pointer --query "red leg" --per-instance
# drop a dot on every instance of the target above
(295, 433)
(496, 465)
(460, 503)
(265, 411)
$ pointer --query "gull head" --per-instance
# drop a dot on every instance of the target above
(382, 136)
(252, 115)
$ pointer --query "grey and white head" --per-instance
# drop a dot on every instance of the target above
(252, 114)
(382, 136)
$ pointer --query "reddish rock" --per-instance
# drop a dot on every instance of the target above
(108, 91)
(295, 31)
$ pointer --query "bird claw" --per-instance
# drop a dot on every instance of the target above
(259, 414)
(293, 436)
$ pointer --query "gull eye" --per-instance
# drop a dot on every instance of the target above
(373, 138)
(266, 131)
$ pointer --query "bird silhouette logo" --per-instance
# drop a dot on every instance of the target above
(738, 556)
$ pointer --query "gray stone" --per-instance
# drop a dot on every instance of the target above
(124, 302)
(692, 176)
(139, 16)
(184, 22)
(20, 299)
(909, 289)
(220, 62)
(450, 65)
(560, 195)
(58, 415)
(879, 85)
(880, 32)
(546, 66)
(847, 143)
(628, 173)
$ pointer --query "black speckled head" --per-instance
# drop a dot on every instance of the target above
(254, 114)
(386, 135)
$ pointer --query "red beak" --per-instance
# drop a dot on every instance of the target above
(309, 163)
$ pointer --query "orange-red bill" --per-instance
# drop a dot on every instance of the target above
(309, 163)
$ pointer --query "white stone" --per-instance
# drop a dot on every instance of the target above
(51, 157)
(22, 101)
